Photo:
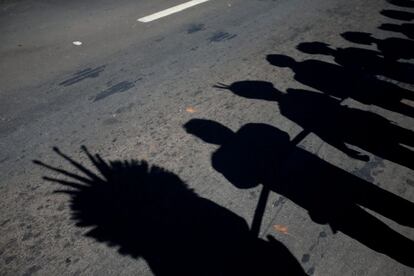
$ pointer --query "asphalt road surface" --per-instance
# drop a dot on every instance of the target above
(280, 135)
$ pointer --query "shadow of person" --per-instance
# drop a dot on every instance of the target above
(399, 15)
(262, 154)
(391, 48)
(151, 213)
(406, 29)
(402, 3)
(334, 123)
(364, 60)
(337, 81)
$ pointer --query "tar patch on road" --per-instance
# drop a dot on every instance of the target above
(221, 36)
(117, 88)
(195, 28)
(84, 74)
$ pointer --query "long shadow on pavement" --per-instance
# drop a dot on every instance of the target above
(399, 15)
(340, 82)
(363, 60)
(335, 123)
(151, 213)
(262, 154)
(402, 3)
(393, 48)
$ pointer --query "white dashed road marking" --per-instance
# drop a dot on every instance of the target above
(171, 10)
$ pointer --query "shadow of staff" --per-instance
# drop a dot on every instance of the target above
(262, 154)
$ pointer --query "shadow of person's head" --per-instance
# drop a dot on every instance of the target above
(127, 203)
(359, 37)
(252, 89)
(149, 212)
(247, 157)
(281, 61)
(402, 3)
(399, 15)
(407, 29)
(315, 48)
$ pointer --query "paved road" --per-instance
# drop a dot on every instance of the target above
(210, 94)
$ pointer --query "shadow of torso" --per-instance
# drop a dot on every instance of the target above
(261, 154)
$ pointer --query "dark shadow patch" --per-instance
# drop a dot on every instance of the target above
(336, 124)
(393, 48)
(260, 154)
(399, 15)
(117, 88)
(195, 28)
(364, 61)
(406, 29)
(150, 213)
(221, 36)
(402, 3)
(342, 82)
(305, 258)
(84, 74)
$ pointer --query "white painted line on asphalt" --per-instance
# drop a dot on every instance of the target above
(171, 10)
